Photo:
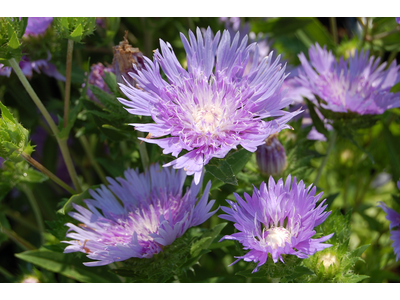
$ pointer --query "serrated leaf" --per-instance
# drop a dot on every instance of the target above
(77, 199)
(221, 170)
(68, 265)
(299, 271)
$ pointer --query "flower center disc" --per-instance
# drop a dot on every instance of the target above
(277, 237)
(206, 119)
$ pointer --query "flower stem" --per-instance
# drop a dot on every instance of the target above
(332, 22)
(36, 210)
(67, 93)
(328, 151)
(93, 162)
(17, 239)
(49, 174)
(143, 152)
(62, 143)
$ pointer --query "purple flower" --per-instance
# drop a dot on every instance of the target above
(96, 78)
(356, 85)
(277, 220)
(398, 20)
(37, 26)
(152, 215)
(394, 218)
(212, 107)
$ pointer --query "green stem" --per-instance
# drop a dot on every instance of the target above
(332, 22)
(93, 162)
(36, 210)
(328, 151)
(17, 239)
(62, 143)
(382, 34)
(70, 49)
(143, 152)
(45, 171)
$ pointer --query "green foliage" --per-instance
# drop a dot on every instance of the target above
(11, 31)
(76, 199)
(74, 28)
(14, 137)
(174, 260)
(335, 264)
(224, 170)
(13, 173)
(68, 265)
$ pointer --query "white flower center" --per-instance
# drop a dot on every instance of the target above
(328, 259)
(207, 118)
(277, 237)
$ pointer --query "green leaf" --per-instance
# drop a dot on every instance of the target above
(111, 81)
(206, 239)
(360, 250)
(33, 176)
(68, 265)
(221, 170)
(77, 199)
(330, 199)
(14, 42)
(77, 33)
(299, 271)
(225, 169)
(354, 278)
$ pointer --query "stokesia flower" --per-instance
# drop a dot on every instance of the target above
(153, 214)
(277, 220)
(394, 218)
(212, 107)
(358, 84)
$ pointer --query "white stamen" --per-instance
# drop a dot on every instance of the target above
(328, 259)
(277, 237)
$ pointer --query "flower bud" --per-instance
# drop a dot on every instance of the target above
(96, 78)
(124, 58)
(271, 156)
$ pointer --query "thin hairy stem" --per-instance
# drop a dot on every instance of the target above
(67, 94)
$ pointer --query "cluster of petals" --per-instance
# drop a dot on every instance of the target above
(358, 84)
(154, 212)
(394, 218)
(277, 220)
(215, 105)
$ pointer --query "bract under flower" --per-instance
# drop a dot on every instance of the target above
(154, 212)
(277, 220)
(215, 105)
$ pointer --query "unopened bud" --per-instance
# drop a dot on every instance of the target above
(96, 78)
(328, 259)
(124, 58)
(271, 156)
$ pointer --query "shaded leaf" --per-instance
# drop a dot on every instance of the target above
(68, 265)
